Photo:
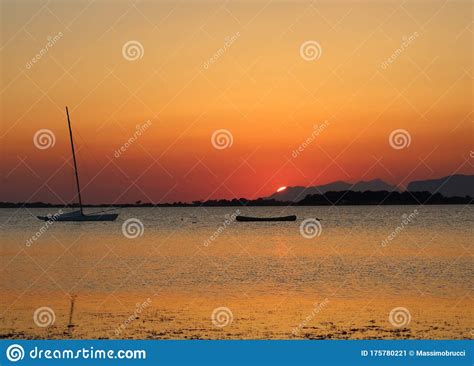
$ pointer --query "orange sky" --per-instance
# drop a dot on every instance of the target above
(258, 87)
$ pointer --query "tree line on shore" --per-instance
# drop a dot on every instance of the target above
(340, 198)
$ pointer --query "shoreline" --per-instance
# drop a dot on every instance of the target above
(165, 205)
(177, 316)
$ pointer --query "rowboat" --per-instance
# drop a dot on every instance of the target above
(278, 218)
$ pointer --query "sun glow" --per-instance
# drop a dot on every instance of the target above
(281, 189)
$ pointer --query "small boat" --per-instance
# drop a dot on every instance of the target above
(278, 218)
(79, 214)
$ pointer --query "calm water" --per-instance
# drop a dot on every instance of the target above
(192, 253)
(431, 250)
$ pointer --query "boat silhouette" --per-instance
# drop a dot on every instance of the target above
(78, 215)
(278, 218)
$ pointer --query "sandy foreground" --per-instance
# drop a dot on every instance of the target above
(171, 316)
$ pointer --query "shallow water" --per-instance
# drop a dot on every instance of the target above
(189, 261)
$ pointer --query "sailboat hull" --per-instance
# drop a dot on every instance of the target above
(77, 216)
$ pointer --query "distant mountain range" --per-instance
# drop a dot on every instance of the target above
(343, 198)
(295, 194)
(450, 186)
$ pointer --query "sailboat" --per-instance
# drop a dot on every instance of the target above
(79, 214)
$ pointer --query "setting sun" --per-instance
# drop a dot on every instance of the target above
(141, 142)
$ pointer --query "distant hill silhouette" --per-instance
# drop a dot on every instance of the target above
(295, 194)
(380, 198)
(452, 185)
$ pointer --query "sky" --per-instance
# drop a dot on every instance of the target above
(193, 100)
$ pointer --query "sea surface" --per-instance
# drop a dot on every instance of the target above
(359, 272)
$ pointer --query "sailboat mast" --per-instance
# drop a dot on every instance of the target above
(74, 159)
